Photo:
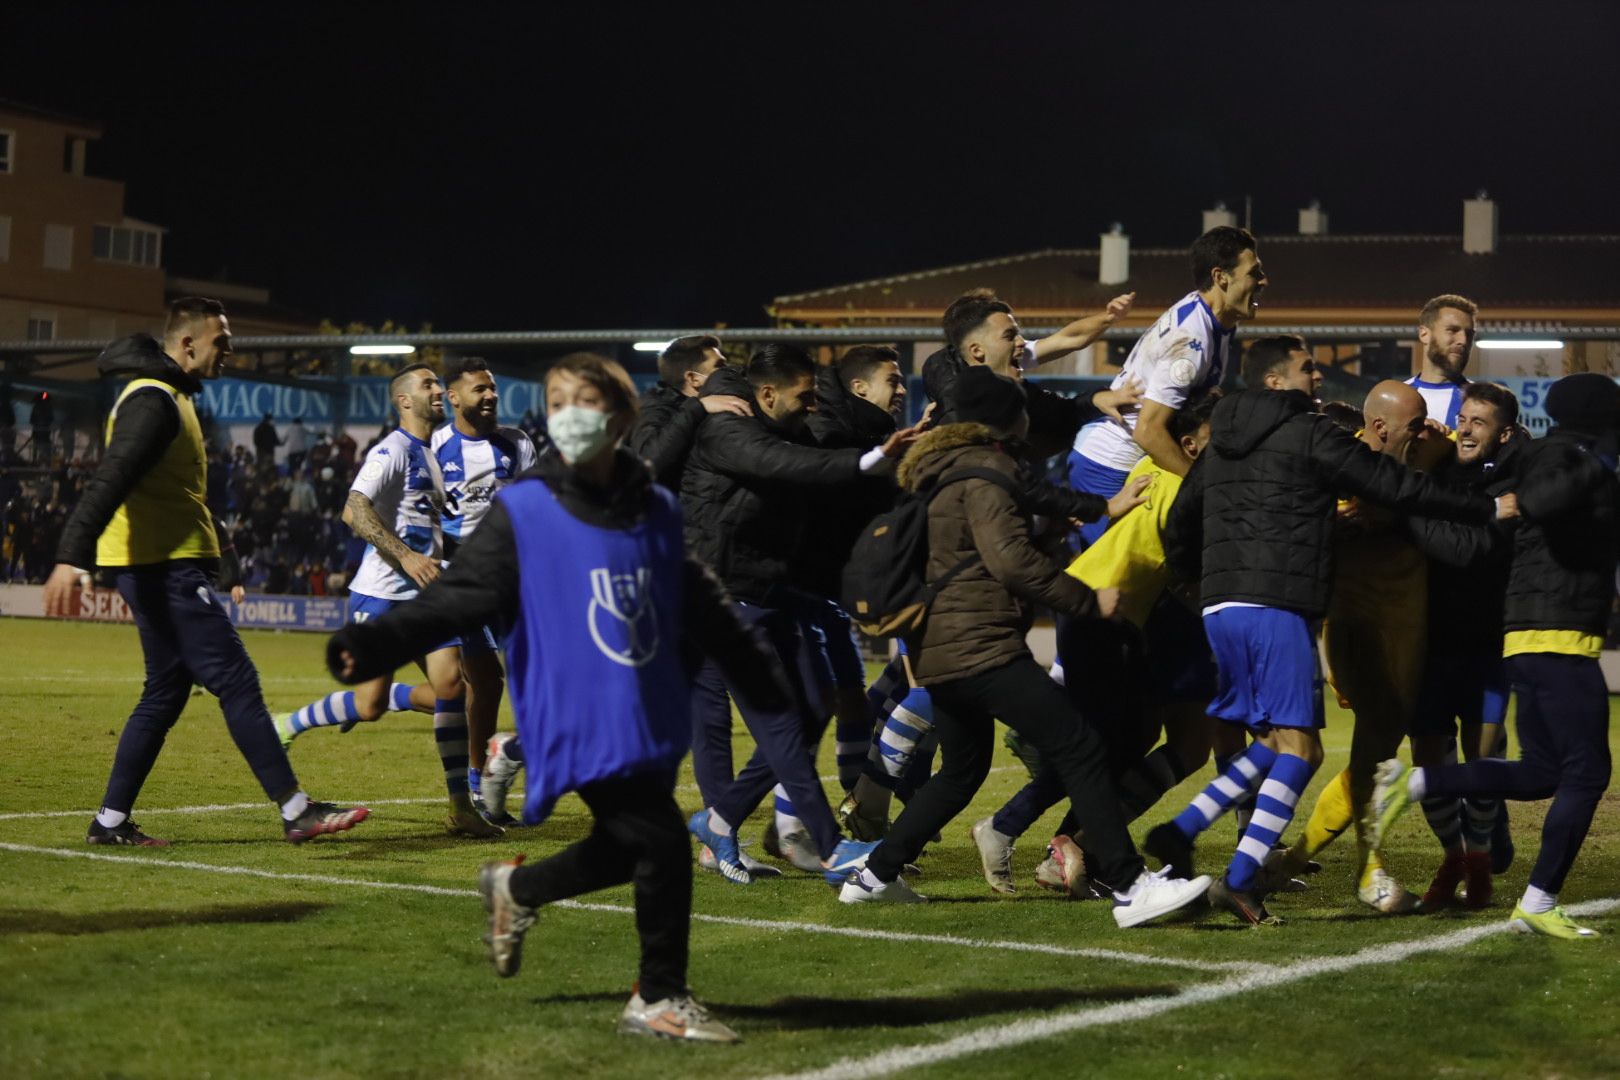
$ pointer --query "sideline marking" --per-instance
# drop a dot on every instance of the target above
(1020, 1032)
(1224, 967)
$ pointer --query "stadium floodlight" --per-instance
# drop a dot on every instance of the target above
(381, 350)
(650, 346)
(1508, 343)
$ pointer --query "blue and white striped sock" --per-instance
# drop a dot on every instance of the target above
(852, 741)
(1242, 776)
(1273, 810)
(450, 736)
(399, 697)
(787, 820)
(912, 718)
(475, 781)
(329, 711)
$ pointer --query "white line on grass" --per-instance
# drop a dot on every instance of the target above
(772, 925)
(214, 808)
(1020, 1032)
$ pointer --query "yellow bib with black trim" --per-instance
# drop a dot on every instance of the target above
(166, 515)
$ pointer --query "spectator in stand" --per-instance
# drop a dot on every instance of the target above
(276, 583)
(41, 418)
(297, 443)
(320, 455)
(317, 580)
(265, 441)
(343, 449)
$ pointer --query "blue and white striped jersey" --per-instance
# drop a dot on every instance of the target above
(401, 478)
(1183, 354)
(1442, 398)
(474, 470)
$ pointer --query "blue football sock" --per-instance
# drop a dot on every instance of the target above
(450, 735)
(1245, 773)
(1273, 810)
(329, 711)
(399, 697)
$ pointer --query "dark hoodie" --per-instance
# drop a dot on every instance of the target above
(843, 421)
(746, 493)
(480, 587)
(147, 423)
(1262, 498)
(664, 431)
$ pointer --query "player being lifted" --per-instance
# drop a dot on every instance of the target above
(400, 483)
(478, 457)
(1184, 354)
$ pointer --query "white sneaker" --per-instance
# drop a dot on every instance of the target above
(856, 891)
(995, 856)
(499, 772)
(1049, 875)
(1156, 893)
(799, 851)
(1382, 892)
(673, 1018)
(755, 868)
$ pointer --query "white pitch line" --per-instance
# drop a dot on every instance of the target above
(1020, 1032)
(776, 926)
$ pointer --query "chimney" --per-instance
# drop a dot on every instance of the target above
(1114, 266)
(1313, 220)
(1218, 216)
(1479, 225)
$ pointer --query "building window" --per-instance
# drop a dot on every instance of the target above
(41, 326)
(8, 140)
(127, 244)
(58, 247)
(5, 239)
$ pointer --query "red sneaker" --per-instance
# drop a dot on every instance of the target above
(1477, 871)
(1443, 889)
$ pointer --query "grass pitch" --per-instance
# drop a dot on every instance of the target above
(235, 954)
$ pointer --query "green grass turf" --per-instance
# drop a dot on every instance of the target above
(125, 971)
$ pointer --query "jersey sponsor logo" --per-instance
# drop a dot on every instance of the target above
(382, 451)
(451, 467)
(622, 618)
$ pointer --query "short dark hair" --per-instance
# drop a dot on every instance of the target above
(1218, 248)
(608, 376)
(1497, 396)
(1194, 414)
(968, 312)
(466, 366)
(1431, 310)
(1266, 355)
(189, 309)
(1345, 415)
(779, 363)
(861, 361)
(399, 376)
(683, 354)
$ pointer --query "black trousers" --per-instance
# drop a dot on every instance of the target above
(186, 638)
(1563, 720)
(1026, 699)
(640, 836)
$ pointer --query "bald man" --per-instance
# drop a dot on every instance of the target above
(1374, 640)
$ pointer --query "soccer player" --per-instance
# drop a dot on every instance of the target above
(1187, 351)
(1267, 484)
(583, 560)
(1446, 332)
(144, 518)
(1560, 591)
(395, 505)
(1465, 677)
(477, 457)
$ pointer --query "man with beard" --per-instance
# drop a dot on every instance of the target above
(1446, 332)
(396, 505)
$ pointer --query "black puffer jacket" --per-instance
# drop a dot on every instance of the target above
(1054, 421)
(664, 431)
(747, 493)
(1565, 548)
(1468, 563)
(843, 421)
(1267, 484)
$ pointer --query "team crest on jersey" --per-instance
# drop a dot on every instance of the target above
(1182, 372)
(622, 618)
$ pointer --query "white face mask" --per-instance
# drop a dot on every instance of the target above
(579, 434)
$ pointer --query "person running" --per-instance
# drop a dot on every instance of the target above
(1560, 590)
(144, 519)
(583, 560)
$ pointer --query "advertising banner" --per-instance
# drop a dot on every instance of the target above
(258, 612)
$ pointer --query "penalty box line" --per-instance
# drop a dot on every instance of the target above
(770, 925)
(1018, 1033)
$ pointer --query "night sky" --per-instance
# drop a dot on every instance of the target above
(501, 167)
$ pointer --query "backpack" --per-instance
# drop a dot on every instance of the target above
(885, 591)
